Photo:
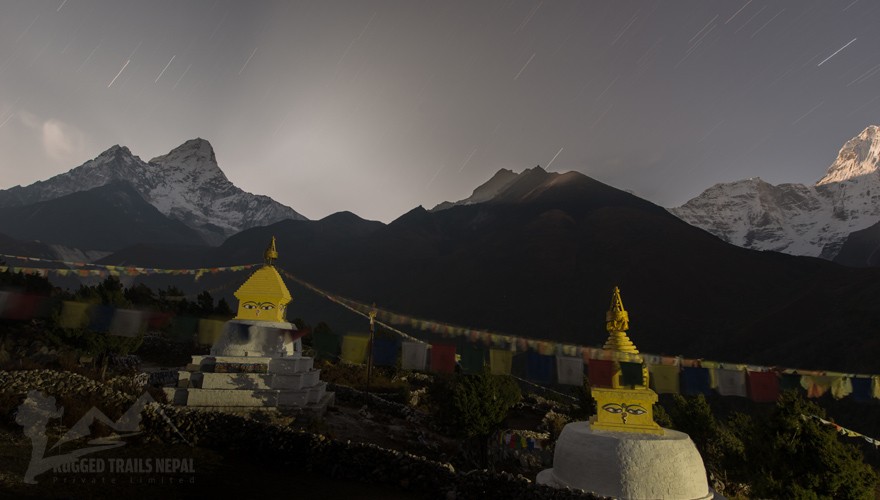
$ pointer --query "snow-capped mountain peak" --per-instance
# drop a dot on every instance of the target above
(794, 218)
(859, 157)
(191, 154)
(186, 184)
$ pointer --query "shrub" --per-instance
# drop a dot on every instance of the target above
(791, 455)
(474, 404)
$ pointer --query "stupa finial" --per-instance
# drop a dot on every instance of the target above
(617, 323)
(271, 253)
(616, 318)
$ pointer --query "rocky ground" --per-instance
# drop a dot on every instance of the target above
(362, 448)
(366, 446)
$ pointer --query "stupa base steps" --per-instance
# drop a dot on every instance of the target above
(251, 382)
(250, 364)
(232, 381)
(248, 397)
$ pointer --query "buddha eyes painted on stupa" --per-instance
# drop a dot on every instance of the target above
(263, 306)
(624, 409)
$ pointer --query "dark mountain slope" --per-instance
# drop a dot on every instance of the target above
(541, 258)
(109, 217)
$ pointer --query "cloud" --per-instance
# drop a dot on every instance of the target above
(61, 141)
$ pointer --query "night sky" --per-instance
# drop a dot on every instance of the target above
(379, 106)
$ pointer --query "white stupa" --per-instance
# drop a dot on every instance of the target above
(621, 452)
(257, 362)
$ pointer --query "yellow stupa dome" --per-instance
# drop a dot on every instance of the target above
(264, 296)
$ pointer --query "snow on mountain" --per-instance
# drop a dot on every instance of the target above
(191, 187)
(794, 218)
(186, 184)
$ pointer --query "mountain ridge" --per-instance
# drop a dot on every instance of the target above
(541, 264)
(104, 218)
(185, 184)
(795, 218)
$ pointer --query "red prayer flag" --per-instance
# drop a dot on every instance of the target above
(763, 387)
(159, 320)
(21, 306)
(443, 358)
(600, 372)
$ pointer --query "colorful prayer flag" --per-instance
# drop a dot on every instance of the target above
(731, 382)
(443, 358)
(570, 370)
(414, 355)
(500, 361)
(473, 358)
(539, 367)
(210, 331)
(326, 344)
(763, 386)
(695, 381)
(861, 388)
(73, 314)
(100, 317)
(631, 373)
(600, 372)
(354, 348)
(841, 387)
(385, 352)
(816, 385)
(183, 328)
(127, 323)
(664, 378)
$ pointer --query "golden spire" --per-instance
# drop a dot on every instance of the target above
(271, 253)
(617, 323)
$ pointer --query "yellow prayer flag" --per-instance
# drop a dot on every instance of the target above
(210, 331)
(354, 348)
(841, 387)
(74, 314)
(664, 378)
(546, 348)
(500, 361)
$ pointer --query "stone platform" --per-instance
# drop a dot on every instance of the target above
(251, 381)
(627, 465)
(252, 367)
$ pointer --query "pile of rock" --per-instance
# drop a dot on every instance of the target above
(63, 383)
(25, 348)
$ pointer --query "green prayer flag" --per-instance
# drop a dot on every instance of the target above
(473, 359)
(631, 373)
(326, 345)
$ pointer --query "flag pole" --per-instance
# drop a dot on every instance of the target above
(370, 352)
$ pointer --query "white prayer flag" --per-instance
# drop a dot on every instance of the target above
(414, 355)
(570, 370)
